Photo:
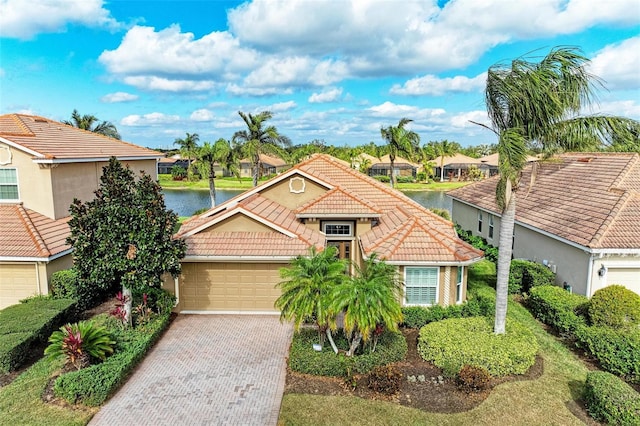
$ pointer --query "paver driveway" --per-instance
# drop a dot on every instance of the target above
(207, 370)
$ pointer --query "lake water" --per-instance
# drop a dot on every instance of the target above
(185, 202)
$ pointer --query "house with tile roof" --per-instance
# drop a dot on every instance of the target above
(401, 167)
(44, 165)
(235, 250)
(269, 165)
(581, 218)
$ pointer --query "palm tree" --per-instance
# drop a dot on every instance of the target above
(399, 140)
(257, 140)
(87, 121)
(538, 103)
(188, 148)
(444, 149)
(219, 152)
(370, 300)
(308, 284)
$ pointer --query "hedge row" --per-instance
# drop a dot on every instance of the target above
(611, 400)
(29, 323)
(391, 347)
(419, 316)
(490, 252)
(450, 344)
(557, 307)
(93, 385)
(523, 275)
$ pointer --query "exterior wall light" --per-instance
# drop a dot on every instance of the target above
(602, 271)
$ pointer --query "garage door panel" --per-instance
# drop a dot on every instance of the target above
(627, 277)
(229, 286)
(17, 282)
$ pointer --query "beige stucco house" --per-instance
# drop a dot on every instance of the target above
(581, 218)
(268, 166)
(235, 250)
(44, 165)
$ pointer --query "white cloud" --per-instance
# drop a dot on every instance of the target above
(282, 106)
(396, 111)
(435, 86)
(151, 119)
(168, 85)
(118, 97)
(463, 120)
(202, 115)
(623, 108)
(328, 95)
(26, 20)
(235, 89)
(619, 64)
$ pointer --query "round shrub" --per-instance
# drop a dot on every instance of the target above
(452, 343)
(391, 347)
(615, 306)
(473, 379)
(385, 379)
(611, 400)
(618, 351)
(64, 284)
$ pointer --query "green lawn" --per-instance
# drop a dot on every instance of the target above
(543, 401)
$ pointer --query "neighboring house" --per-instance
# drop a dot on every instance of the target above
(268, 166)
(581, 217)
(455, 167)
(489, 164)
(235, 250)
(401, 167)
(363, 162)
(44, 165)
(165, 164)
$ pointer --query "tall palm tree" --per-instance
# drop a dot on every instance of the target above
(257, 140)
(369, 300)
(188, 148)
(443, 149)
(307, 287)
(219, 152)
(538, 103)
(399, 140)
(87, 122)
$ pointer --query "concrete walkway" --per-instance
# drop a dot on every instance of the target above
(207, 370)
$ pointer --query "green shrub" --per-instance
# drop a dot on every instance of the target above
(159, 300)
(557, 307)
(25, 325)
(381, 178)
(405, 179)
(490, 252)
(385, 379)
(178, 172)
(524, 274)
(419, 316)
(79, 343)
(473, 379)
(615, 306)
(617, 351)
(93, 385)
(484, 297)
(452, 343)
(64, 284)
(391, 347)
(443, 213)
(611, 400)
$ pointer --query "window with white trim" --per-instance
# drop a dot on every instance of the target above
(479, 221)
(338, 229)
(9, 185)
(459, 278)
(490, 226)
(421, 286)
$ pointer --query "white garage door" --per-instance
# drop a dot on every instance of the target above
(229, 287)
(17, 282)
(628, 277)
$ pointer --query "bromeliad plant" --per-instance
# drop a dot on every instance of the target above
(143, 313)
(120, 311)
(80, 343)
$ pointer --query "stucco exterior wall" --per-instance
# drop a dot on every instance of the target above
(612, 264)
(467, 217)
(281, 192)
(59, 264)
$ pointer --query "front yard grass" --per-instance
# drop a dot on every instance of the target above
(549, 399)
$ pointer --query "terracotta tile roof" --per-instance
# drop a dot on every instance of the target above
(50, 140)
(245, 244)
(25, 233)
(587, 198)
(406, 231)
(337, 203)
(456, 159)
(266, 159)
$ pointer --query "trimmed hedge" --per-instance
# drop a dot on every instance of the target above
(29, 323)
(64, 284)
(93, 385)
(490, 252)
(303, 358)
(557, 307)
(611, 400)
(615, 306)
(450, 344)
(419, 316)
(523, 275)
(617, 351)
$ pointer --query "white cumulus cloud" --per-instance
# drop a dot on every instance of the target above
(151, 119)
(202, 115)
(619, 64)
(435, 86)
(167, 84)
(328, 95)
(25, 20)
(116, 97)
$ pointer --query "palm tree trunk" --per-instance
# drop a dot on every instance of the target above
(442, 169)
(354, 344)
(391, 179)
(256, 169)
(330, 337)
(507, 224)
(212, 185)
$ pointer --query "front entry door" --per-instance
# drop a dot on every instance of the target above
(344, 248)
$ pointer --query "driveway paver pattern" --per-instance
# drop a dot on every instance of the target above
(207, 370)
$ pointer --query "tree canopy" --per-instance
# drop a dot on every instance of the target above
(123, 236)
(93, 124)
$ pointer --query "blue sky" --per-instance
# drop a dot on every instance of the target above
(328, 69)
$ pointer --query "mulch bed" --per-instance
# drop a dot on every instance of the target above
(435, 394)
